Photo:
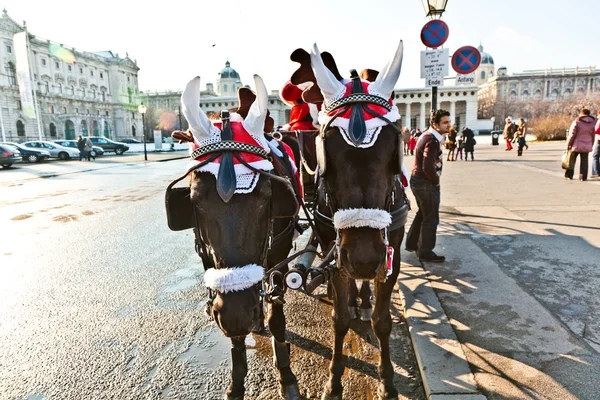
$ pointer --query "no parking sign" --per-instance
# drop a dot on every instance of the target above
(466, 60)
(434, 33)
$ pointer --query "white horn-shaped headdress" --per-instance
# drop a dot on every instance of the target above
(254, 122)
(199, 123)
(387, 78)
(327, 82)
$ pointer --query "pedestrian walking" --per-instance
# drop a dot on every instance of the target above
(418, 133)
(469, 143)
(451, 143)
(509, 133)
(596, 154)
(425, 185)
(405, 139)
(412, 144)
(81, 147)
(520, 134)
(88, 149)
(580, 142)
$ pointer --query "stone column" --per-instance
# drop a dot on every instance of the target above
(422, 117)
(453, 112)
(407, 120)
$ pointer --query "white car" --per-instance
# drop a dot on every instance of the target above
(55, 150)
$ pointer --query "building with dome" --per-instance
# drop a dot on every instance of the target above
(228, 81)
(212, 100)
(486, 69)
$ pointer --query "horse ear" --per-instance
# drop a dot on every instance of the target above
(269, 123)
(245, 97)
(190, 106)
(255, 120)
(304, 74)
(329, 84)
(386, 80)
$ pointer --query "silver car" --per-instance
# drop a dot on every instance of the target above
(55, 150)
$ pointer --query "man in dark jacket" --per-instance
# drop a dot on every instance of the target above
(425, 185)
(81, 147)
(509, 133)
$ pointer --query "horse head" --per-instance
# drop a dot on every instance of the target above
(359, 153)
(233, 202)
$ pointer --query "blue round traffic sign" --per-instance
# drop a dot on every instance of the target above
(434, 33)
(466, 60)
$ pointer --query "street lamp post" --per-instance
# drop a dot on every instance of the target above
(142, 110)
(434, 10)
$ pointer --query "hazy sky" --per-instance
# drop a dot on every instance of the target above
(176, 40)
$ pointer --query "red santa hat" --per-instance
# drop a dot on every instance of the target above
(291, 94)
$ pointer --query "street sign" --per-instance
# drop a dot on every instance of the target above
(466, 60)
(434, 33)
(468, 79)
(434, 81)
(435, 63)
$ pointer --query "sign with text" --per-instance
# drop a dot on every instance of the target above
(468, 79)
(435, 63)
(434, 81)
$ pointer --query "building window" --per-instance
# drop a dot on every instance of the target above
(224, 88)
(70, 90)
(77, 111)
(43, 61)
(101, 75)
(554, 94)
(56, 64)
(87, 111)
(70, 68)
(8, 48)
(11, 72)
(58, 88)
(525, 95)
(482, 74)
(19, 105)
(64, 110)
(81, 70)
(51, 109)
(83, 93)
(128, 80)
(91, 73)
(20, 128)
(103, 96)
(52, 130)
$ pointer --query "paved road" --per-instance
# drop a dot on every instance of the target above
(520, 285)
(99, 300)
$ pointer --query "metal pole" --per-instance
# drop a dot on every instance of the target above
(434, 92)
(144, 135)
(179, 114)
(36, 106)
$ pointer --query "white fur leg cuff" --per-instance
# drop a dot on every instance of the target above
(362, 218)
(233, 279)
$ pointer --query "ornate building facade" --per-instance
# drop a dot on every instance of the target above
(502, 95)
(97, 94)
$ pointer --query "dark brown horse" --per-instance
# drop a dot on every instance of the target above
(361, 204)
(243, 212)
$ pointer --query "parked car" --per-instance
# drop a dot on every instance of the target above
(96, 150)
(9, 155)
(109, 145)
(130, 140)
(30, 155)
(55, 149)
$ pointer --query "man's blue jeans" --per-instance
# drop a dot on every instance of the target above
(422, 233)
(596, 159)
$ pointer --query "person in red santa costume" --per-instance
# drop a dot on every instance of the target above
(303, 116)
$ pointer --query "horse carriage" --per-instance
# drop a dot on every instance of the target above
(249, 187)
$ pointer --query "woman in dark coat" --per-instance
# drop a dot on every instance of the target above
(451, 143)
(470, 143)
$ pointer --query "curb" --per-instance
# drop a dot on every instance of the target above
(444, 369)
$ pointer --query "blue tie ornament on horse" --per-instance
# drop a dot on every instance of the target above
(241, 209)
(359, 152)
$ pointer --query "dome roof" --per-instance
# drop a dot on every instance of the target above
(228, 72)
(486, 58)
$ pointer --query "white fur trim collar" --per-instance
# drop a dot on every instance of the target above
(362, 217)
(226, 280)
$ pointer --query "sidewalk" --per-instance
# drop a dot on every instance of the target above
(514, 311)
(47, 169)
